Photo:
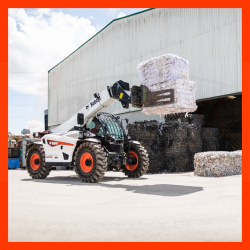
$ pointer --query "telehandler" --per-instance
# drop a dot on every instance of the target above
(94, 142)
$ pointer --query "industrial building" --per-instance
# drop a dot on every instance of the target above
(210, 39)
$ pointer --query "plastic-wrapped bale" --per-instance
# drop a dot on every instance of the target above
(194, 132)
(148, 134)
(170, 145)
(169, 130)
(175, 147)
(180, 117)
(237, 155)
(197, 120)
(141, 130)
(182, 131)
(169, 72)
(155, 163)
(209, 132)
(209, 138)
(187, 131)
(175, 130)
(193, 148)
(182, 163)
(154, 147)
(136, 130)
(218, 163)
(184, 97)
(177, 162)
(163, 68)
(174, 136)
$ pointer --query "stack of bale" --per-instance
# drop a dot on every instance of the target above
(194, 143)
(169, 72)
(176, 143)
(171, 145)
(180, 117)
(194, 135)
(209, 139)
(189, 140)
(218, 163)
(148, 133)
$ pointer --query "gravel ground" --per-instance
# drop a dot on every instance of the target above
(158, 207)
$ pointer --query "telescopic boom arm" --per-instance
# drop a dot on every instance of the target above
(138, 96)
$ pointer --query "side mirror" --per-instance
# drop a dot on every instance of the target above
(80, 118)
(127, 120)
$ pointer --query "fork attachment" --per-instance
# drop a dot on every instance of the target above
(141, 96)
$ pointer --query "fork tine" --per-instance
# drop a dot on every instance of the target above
(156, 98)
(152, 98)
(160, 92)
(159, 103)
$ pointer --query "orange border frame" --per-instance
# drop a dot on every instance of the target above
(127, 4)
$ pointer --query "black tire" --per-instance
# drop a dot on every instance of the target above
(143, 161)
(98, 158)
(42, 171)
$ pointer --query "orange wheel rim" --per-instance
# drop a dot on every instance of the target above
(132, 167)
(86, 162)
(35, 161)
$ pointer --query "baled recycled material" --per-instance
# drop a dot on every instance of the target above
(171, 145)
(163, 68)
(218, 163)
(169, 72)
(184, 98)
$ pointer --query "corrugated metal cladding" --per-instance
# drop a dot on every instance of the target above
(210, 39)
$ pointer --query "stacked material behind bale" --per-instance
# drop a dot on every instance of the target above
(180, 117)
(175, 139)
(219, 163)
(171, 145)
(209, 139)
(195, 142)
(169, 72)
(148, 133)
(197, 120)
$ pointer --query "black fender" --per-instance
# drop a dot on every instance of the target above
(95, 140)
(133, 141)
(30, 143)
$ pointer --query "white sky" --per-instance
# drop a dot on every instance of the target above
(38, 39)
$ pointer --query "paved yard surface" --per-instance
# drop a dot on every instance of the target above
(159, 207)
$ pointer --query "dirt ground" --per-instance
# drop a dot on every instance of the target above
(158, 207)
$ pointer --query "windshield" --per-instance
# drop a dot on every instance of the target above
(95, 128)
(111, 125)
